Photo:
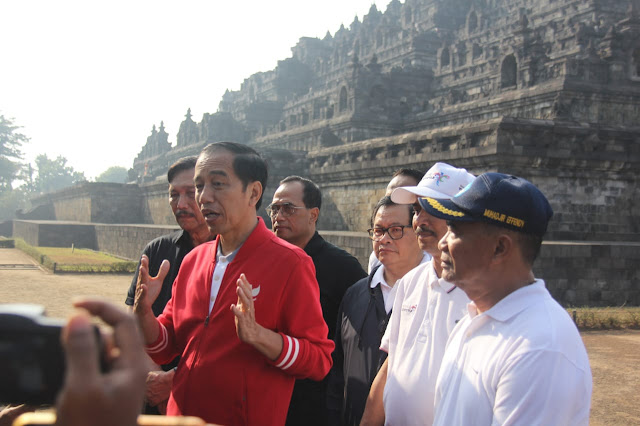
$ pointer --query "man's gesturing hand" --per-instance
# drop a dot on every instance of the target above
(268, 342)
(88, 396)
(148, 287)
(246, 325)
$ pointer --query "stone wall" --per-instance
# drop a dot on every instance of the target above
(73, 209)
(6, 228)
(588, 173)
(38, 211)
(96, 202)
(361, 197)
(27, 230)
(121, 240)
(155, 203)
(128, 240)
(66, 234)
(56, 233)
(357, 243)
(116, 203)
(591, 274)
(576, 273)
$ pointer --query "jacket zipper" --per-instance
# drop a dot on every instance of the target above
(196, 360)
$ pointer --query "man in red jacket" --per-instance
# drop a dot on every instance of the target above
(245, 314)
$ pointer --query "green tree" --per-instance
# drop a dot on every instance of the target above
(10, 153)
(55, 174)
(10, 201)
(115, 174)
(11, 141)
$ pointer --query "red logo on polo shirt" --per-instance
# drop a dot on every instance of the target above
(409, 309)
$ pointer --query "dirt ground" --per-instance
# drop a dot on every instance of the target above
(615, 364)
(614, 355)
(54, 291)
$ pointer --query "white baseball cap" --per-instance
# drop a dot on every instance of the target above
(441, 181)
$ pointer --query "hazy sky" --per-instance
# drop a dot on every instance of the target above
(88, 80)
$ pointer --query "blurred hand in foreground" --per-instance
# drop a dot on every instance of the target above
(88, 396)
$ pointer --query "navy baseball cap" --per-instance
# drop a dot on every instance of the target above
(503, 200)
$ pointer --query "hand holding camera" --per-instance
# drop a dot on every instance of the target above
(94, 380)
(89, 396)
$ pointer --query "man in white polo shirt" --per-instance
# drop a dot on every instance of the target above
(517, 358)
(425, 311)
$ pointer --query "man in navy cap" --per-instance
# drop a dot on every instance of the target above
(517, 358)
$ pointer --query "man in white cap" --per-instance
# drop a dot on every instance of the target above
(425, 311)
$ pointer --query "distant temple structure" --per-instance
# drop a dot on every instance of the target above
(545, 89)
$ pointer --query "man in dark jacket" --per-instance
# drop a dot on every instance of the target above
(294, 213)
(172, 248)
(365, 310)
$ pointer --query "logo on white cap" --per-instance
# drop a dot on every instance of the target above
(441, 181)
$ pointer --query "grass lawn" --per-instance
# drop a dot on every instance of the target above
(64, 259)
(64, 255)
(606, 318)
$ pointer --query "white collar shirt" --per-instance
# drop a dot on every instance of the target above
(218, 272)
(425, 311)
(389, 292)
(520, 362)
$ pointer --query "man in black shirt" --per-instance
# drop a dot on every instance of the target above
(294, 213)
(172, 248)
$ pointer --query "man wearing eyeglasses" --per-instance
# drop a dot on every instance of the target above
(365, 310)
(401, 177)
(294, 213)
(425, 311)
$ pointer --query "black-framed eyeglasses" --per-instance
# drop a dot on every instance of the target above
(287, 209)
(395, 232)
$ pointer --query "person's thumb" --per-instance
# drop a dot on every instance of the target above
(81, 353)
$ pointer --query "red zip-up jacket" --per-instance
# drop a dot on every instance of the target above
(219, 378)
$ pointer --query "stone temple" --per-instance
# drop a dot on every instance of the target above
(545, 89)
